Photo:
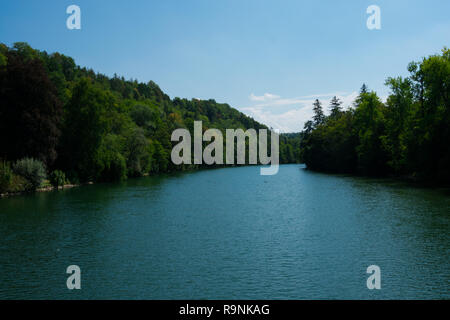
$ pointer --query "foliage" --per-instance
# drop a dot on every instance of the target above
(137, 153)
(110, 163)
(32, 170)
(57, 178)
(407, 135)
(94, 127)
(6, 176)
(30, 111)
(319, 116)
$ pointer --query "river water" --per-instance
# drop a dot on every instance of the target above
(228, 234)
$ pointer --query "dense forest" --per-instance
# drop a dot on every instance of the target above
(406, 136)
(72, 125)
(61, 123)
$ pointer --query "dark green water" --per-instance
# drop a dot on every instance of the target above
(228, 233)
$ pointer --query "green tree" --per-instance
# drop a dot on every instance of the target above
(428, 152)
(30, 112)
(159, 158)
(319, 116)
(369, 126)
(84, 127)
(398, 112)
(137, 153)
(335, 108)
(110, 163)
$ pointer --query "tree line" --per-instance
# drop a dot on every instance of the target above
(68, 123)
(408, 135)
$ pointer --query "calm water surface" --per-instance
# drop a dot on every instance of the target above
(228, 233)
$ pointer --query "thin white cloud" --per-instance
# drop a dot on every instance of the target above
(283, 102)
(270, 100)
(290, 121)
(295, 111)
(321, 95)
(264, 97)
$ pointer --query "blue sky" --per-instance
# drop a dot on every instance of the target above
(269, 59)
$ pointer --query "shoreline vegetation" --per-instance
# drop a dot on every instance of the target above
(406, 137)
(42, 189)
(408, 180)
(73, 126)
(64, 125)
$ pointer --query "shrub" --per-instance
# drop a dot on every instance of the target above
(32, 170)
(6, 176)
(57, 178)
(18, 184)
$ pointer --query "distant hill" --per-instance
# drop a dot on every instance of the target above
(97, 128)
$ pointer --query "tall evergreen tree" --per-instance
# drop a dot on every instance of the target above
(335, 107)
(364, 89)
(319, 116)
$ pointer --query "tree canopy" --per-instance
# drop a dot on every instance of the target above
(98, 128)
(407, 135)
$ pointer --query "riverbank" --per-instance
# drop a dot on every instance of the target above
(43, 189)
(47, 187)
(411, 179)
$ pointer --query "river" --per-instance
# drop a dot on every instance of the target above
(228, 234)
